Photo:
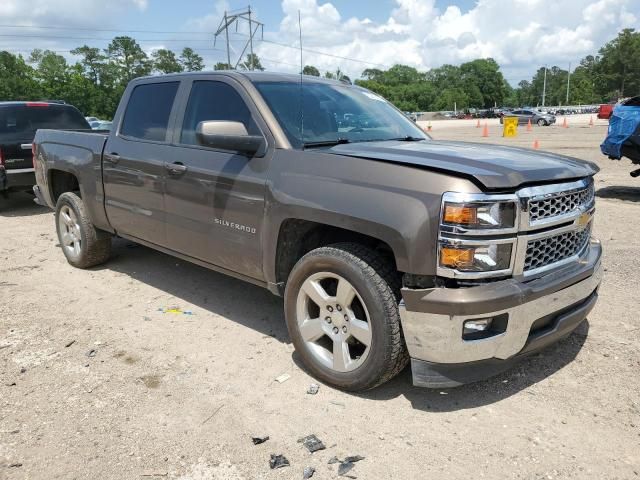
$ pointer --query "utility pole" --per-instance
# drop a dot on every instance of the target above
(251, 36)
(235, 17)
(544, 86)
(568, 82)
(226, 31)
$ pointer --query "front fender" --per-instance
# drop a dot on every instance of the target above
(396, 204)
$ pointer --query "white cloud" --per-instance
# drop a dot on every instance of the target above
(85, 13)
(520, 34)
(76, 17)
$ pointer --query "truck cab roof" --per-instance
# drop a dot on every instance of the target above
(252, 76)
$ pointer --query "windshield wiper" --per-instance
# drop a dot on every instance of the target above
(408, 138)
(326, 143)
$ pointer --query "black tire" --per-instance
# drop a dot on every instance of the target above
(378, 284)
(542, 122)
(95, 245)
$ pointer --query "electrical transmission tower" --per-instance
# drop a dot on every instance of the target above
(232, 18)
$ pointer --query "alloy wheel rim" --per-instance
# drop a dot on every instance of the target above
(70, 236)
(333, 321)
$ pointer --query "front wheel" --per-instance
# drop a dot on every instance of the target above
(341, 307)
(542, 123)
(83, 245)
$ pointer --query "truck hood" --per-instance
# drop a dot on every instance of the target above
(496, 167)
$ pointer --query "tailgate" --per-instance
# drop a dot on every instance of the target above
(17, 155)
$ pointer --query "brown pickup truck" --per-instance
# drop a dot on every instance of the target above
(387, 246)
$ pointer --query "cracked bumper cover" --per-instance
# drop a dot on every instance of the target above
(432, 321)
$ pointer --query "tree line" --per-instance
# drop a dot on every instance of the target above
(95, 82)
(611, 74)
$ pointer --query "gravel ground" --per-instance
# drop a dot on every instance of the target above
(99, 381)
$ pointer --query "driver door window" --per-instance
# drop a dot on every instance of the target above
(214, 101)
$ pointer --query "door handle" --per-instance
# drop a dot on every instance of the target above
(176, 168)
(112, 157)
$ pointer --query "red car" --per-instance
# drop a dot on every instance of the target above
(605, 111)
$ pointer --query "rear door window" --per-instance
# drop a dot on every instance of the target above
(211, 100)
(148, 111)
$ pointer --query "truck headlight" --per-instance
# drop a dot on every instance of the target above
(477, 235)
(489, 257)
(480, 215)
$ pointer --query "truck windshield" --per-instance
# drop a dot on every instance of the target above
(329, 114)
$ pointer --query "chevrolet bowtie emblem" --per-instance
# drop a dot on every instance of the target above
(584, 219)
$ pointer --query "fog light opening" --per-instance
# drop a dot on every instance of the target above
(479, 328)
(477, 325)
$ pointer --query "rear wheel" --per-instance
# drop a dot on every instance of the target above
(341, 306)
(83, 245)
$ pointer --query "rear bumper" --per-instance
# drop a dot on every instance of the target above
(537, 313)
(17, 178)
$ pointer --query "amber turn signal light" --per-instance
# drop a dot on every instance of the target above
(460, 214)
(456, 257)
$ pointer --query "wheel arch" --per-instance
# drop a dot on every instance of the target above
(298, 236)
(61, 181)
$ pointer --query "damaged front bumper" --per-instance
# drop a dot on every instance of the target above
(531, 315)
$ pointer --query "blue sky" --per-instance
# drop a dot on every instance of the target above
(164, 14)
(347, 34)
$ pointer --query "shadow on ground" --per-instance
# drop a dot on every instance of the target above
(522, 376)
(241, 302)
(630, 194)
(20, 204)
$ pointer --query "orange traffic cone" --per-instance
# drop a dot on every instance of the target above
(591, 121)
(565, 124)
(485, 130)
(536, 144)
(429, 127)
(478, 124)
(529, 125)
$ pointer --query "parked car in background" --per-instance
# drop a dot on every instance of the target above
(605, 110)
(501, 112)
(91, 119)
(535, 116)
(459, 258)
(103, 125)
(18, 124)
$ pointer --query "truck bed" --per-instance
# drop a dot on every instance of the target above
(75, 152)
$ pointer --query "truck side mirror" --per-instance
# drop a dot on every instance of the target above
(228, 135)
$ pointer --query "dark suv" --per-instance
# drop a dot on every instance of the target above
(18, 124)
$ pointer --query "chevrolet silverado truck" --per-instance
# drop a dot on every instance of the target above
(387, 246)
(18, 124)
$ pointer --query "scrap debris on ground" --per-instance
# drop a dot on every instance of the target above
(312, 443)
(259, 440)
(278, 461)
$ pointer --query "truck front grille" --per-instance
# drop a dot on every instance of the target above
(553, 205)
(555, 248)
